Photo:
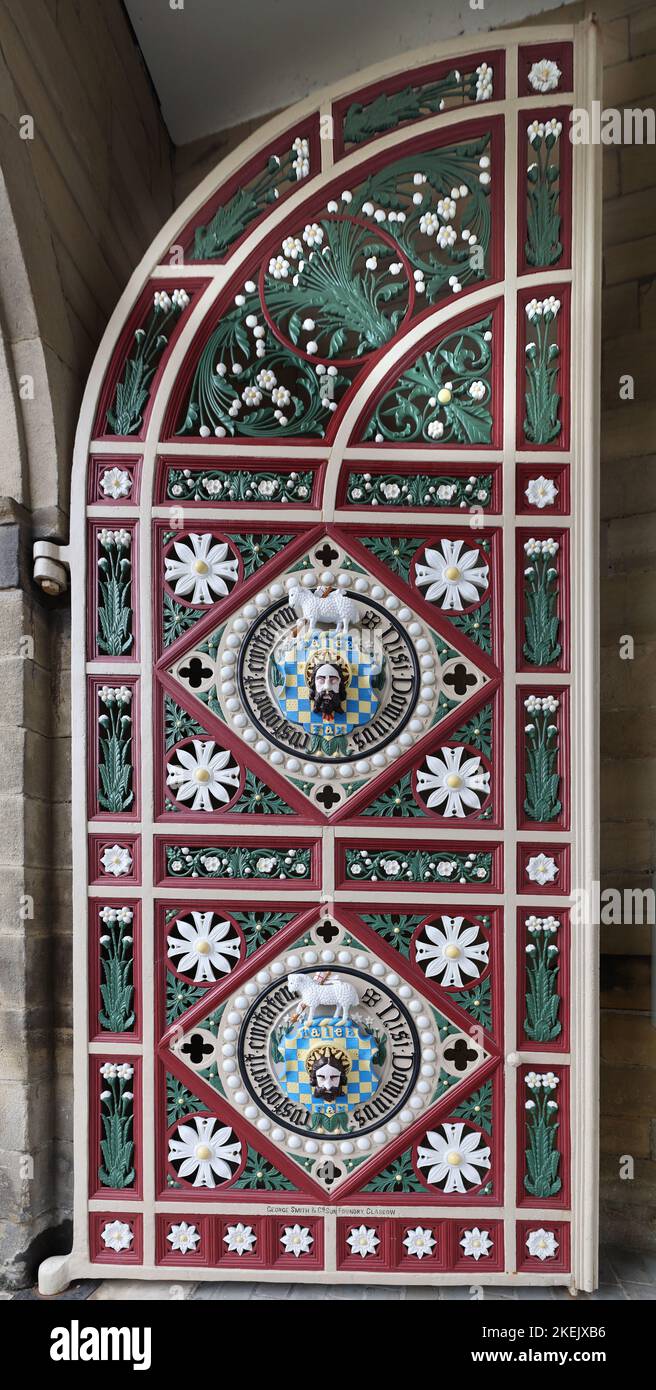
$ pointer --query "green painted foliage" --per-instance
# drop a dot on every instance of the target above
(411, 410)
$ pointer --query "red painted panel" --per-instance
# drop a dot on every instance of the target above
(560, 334)
(560, 53)
(197, 467)
(562, 760)
(559, 1097)
(561, 939)
(418, 77)
(101, 465)
(558, 881)
(564, 148)
(96, 929)
(557, 1263)
(97, 1134)
(101, 1253)
(556, 473)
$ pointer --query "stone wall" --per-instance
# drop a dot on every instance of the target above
(628, 606)
(80, 201)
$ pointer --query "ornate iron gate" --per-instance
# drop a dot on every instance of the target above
(333, 691)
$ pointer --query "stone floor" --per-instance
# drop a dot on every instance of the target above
(624, 1275)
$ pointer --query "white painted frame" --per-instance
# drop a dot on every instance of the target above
(585, 275)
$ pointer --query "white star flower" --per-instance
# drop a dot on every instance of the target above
(203, 1148)
(452, 784)
(429, 223)
(204, 776)
(204, 953)
(363, 1241)
(452, 951)
(202, 568)
(183, 1237)
(116, 482)
(544, 76)
(251, 396)
(312, 234)
(541, 492)
(116, 860)
(297, 1240)
(454, 1156)
(266, 380)
(240, 1238)
(446, 236)
(541, 868)
(117, 1235)
(542, 1243)
(454, 575)
(419, 1242)
(292, 248)
(476, 1243)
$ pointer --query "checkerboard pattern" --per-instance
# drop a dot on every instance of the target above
(361, 700)
(362, 1080)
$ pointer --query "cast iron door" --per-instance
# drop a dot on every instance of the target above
(334, 703)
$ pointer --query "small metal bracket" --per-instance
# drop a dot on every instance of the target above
(52, 567)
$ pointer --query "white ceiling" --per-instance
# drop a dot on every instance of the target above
(216, 63)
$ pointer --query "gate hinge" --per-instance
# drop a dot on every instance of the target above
(52, 566)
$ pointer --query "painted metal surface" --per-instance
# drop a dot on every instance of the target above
(333, 693)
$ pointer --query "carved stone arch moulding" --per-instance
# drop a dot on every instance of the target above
(333, 684)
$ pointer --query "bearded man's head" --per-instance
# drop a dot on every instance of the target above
(328, 1072)
(328, 689)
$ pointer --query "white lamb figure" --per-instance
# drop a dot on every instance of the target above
(318, 606)
(336, 991)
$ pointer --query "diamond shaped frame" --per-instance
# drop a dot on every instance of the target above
(405, 759)
(247, 970)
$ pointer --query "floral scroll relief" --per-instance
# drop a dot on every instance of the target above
(389, 110)
(280, 174)
(444, 396)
